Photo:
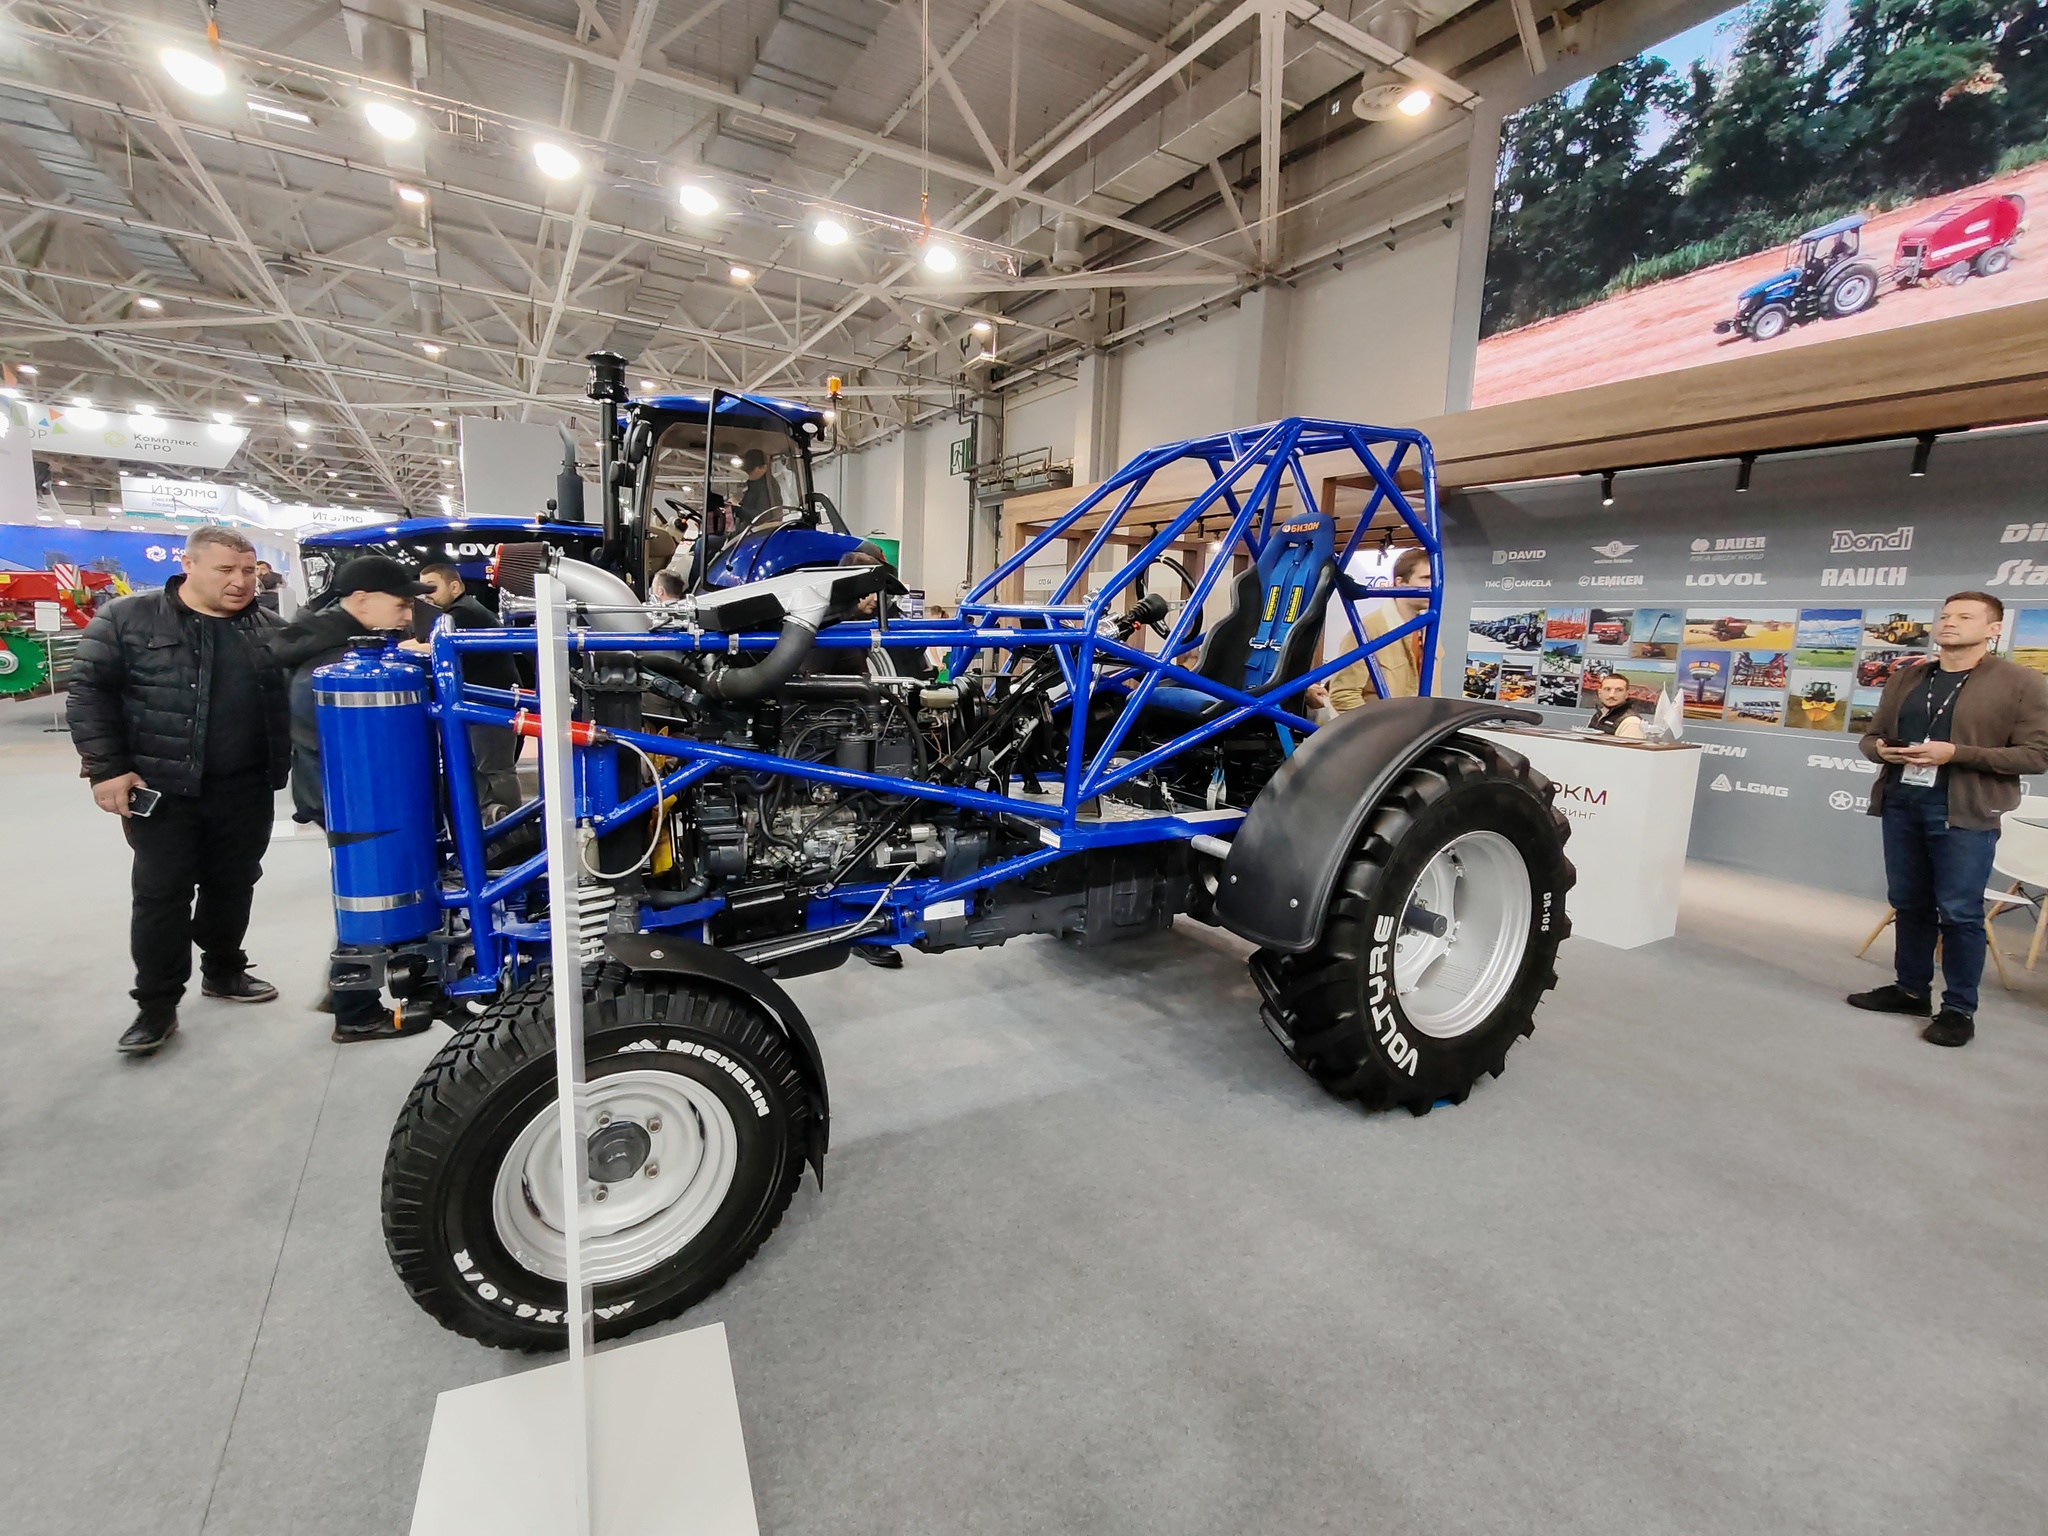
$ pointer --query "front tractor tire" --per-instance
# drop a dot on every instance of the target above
(1441, 937)
(1769, 322)
(701, 1120)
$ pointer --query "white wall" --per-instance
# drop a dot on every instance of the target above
(867, 487)
(942, 558)
(1178, 386)
(1042, 418)
(1372, 343)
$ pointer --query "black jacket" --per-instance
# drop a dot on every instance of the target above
(485, 669)
(140, 691)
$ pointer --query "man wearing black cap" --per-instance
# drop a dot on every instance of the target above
(371, 595)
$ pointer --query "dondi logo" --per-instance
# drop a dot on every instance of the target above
(1848, 542)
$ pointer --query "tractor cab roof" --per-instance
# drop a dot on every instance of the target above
(757, 411)
(468, 530)
(1839, 227)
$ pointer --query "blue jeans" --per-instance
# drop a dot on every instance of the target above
(1935, 876)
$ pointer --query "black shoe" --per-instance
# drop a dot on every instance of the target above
(1890, 998)
(1950, 1028)
(239, 989)
(152, 1027)
(880, 956)
(392, 1024)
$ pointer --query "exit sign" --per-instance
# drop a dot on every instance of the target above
(963, 456)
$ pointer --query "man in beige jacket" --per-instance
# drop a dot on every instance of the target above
(1400, 664)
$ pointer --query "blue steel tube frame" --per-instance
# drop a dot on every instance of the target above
(1094, 664)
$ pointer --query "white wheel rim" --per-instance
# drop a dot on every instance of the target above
(1851, 294)
(644, 1219)
(1768, 325)
(1450, 985)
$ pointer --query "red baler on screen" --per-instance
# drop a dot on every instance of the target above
(20, 591)
(1964, 238)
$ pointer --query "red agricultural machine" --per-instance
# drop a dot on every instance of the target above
(1964, 239)
(26, 657)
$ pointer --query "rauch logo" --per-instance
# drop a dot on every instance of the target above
(1863, 576)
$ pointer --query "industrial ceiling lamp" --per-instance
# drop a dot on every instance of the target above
(388, 120)
(556, 162)
(1921, 449)
(201, 76)
(1742, 474)
(829, 231)
(697, 199)
(940, 258)
(1606, 487)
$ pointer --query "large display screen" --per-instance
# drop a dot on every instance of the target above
(1782, 174)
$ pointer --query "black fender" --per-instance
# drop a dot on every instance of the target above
(1292, 844)
(670, 955)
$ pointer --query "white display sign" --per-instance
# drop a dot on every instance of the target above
(95, 433)
(49, 618)
(157, 494)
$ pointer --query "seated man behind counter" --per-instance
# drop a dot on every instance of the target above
(1616, 715)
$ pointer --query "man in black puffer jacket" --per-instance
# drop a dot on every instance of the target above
(174, 695)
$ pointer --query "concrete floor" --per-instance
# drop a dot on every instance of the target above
(1716, 1254)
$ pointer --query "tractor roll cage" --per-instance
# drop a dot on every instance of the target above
(1092, 664)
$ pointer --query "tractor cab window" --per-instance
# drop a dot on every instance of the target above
(756, 471)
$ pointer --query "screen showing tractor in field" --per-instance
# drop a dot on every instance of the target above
(1786, 172)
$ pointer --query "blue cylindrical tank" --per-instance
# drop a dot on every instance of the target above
(377, 777)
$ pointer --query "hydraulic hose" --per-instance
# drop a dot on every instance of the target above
(772, 671)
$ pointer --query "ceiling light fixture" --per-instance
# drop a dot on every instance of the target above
(202, 77)
(738, 462)
(1921, 449)
(1742, 475)
(432, 348)
(142, 408)
(1606, 487)
(829, 232)
(1415, 103)
(411, 195)
(252, 399)
(940, 258)
(301, 427)
(555, 162)
(697, 199)
(647, 384)
(740, 274)
(271, 109)
(388, 120)
(148, 303)
(981, 327)
(28, 370)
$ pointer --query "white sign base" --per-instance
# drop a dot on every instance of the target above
(667, 1454)
(1631, 813)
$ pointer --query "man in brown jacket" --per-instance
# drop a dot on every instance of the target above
(1954, 734)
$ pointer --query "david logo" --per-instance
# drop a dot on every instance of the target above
(1848, 542)
(1613, 549)
(1509, 556)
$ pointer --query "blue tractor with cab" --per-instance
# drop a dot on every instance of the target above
(780, 766)
(1825, 278)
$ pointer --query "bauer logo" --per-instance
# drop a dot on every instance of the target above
(1847, 541)
(1747, 546)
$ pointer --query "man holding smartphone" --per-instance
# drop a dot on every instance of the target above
(1955, 735)
(179, 716)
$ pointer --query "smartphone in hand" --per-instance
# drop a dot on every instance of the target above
(142, 801)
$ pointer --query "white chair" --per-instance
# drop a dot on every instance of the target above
(2022, 860)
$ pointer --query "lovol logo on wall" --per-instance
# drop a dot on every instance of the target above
(1848, 542)
(1725, 579)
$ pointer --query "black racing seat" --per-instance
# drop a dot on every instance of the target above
(1276, 618)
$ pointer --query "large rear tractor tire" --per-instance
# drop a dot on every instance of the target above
(1441, 937)
(701, 1119)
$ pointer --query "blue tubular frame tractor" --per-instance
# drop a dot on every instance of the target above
(770, 779)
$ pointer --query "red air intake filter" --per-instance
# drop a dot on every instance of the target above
(515, 566)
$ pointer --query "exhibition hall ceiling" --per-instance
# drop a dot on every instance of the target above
(341, 222)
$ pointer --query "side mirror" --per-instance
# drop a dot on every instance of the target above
(639, 438)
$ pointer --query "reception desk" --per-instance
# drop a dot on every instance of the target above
(1630, 806)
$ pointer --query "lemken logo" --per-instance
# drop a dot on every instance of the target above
(1863, 576)
(1848, 542)
(1725, 579)
(2019, 573)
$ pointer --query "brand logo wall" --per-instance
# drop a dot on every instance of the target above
(1742, 547)
(1848, 542)
(1512, 556)
(2019, 573)
(1840, 764)
(1725, 579)
(1612, 551)
(1744, 787)
(1863, 576)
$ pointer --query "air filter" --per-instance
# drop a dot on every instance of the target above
(515, 566)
